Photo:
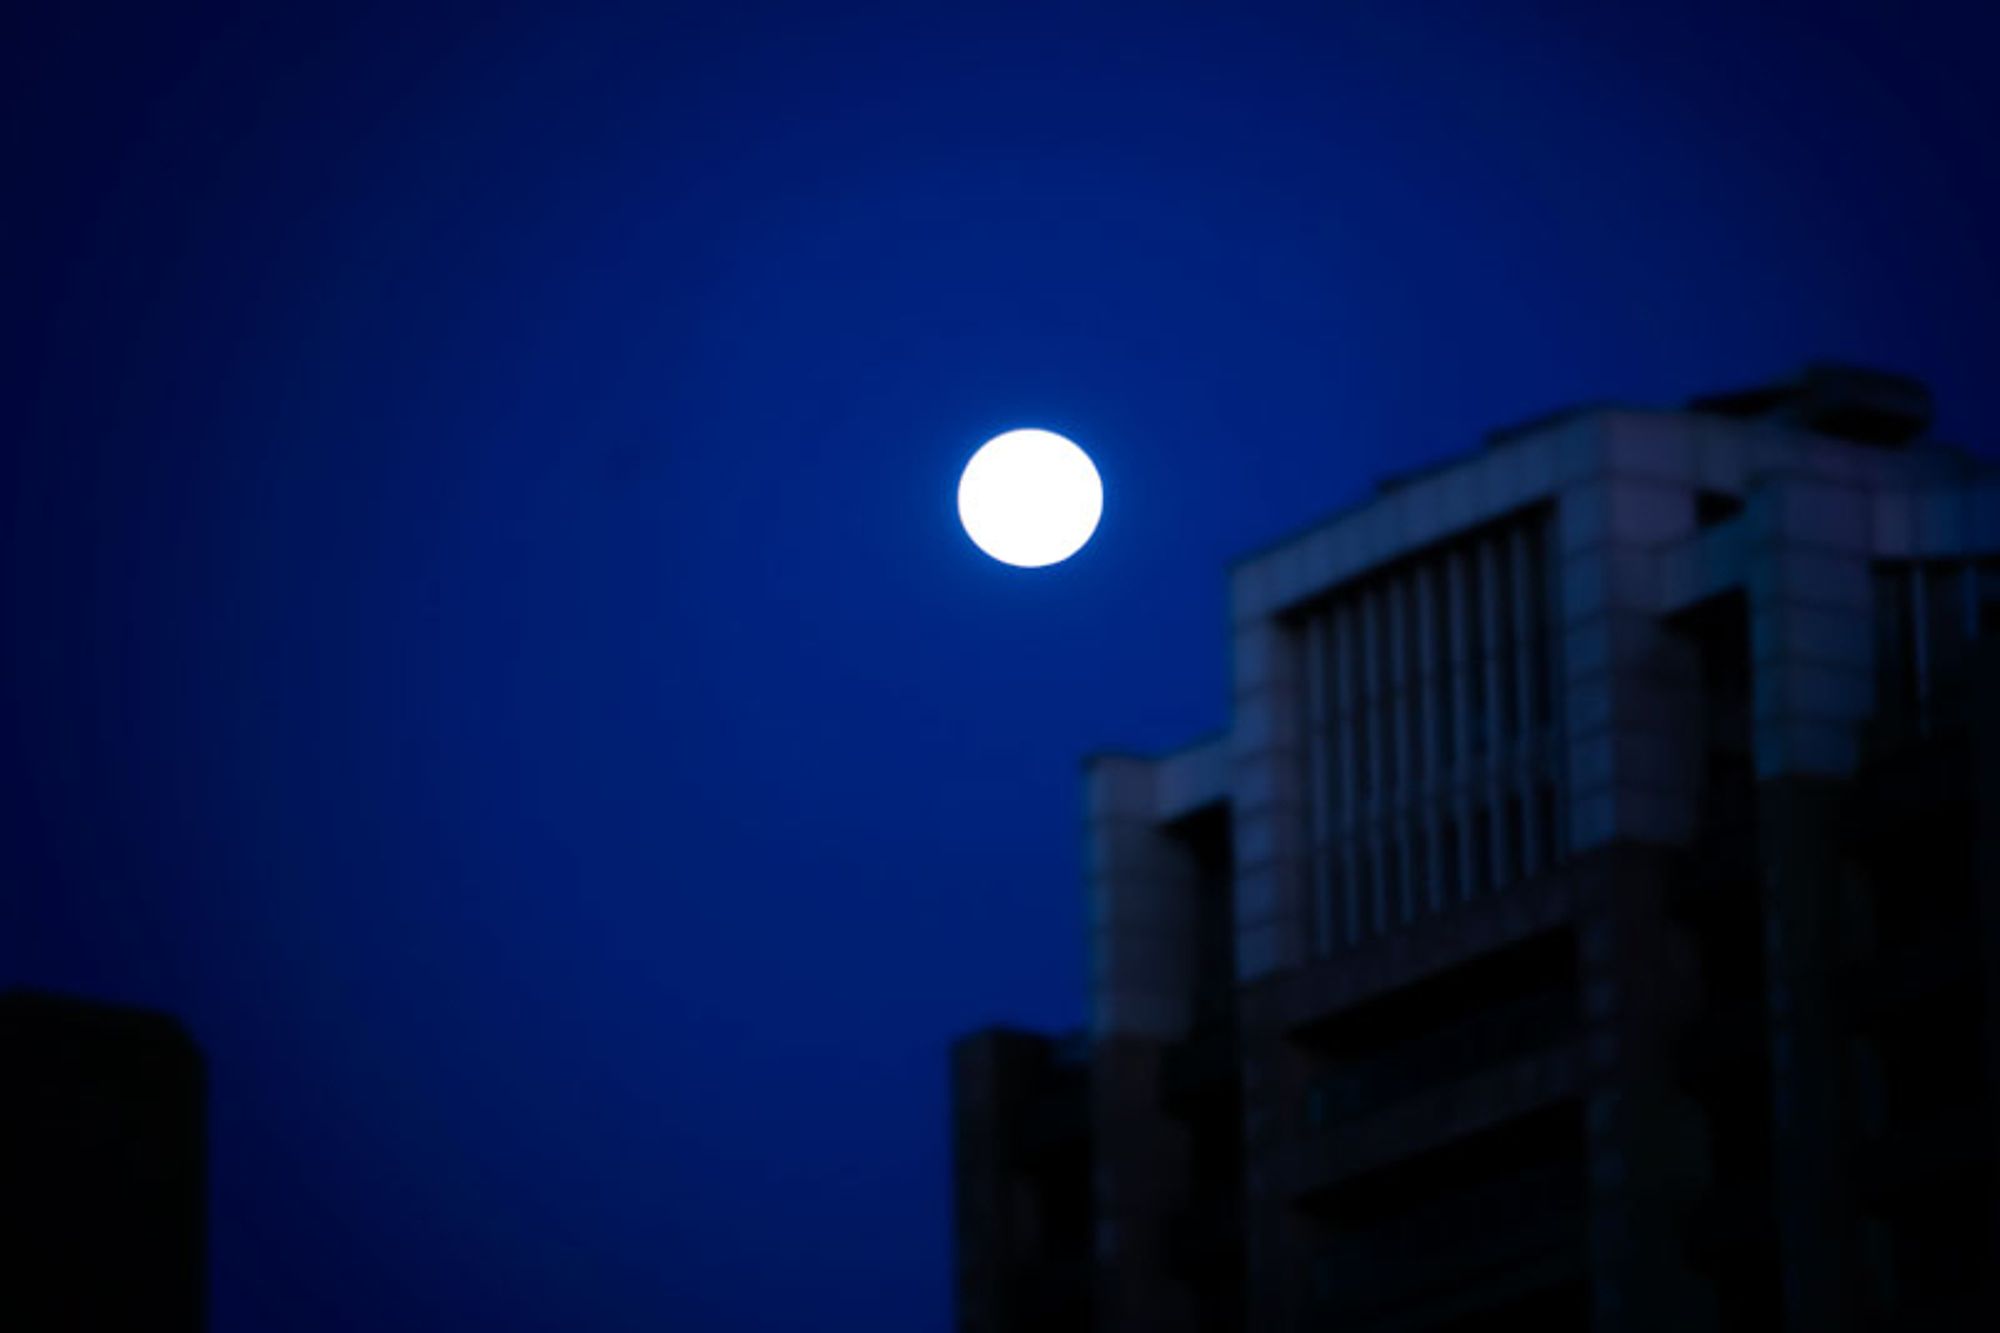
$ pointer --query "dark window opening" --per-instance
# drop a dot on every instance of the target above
(1516, 830)
(1482, 850)
(1713, 507)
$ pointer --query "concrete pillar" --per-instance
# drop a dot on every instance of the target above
(1808, 543)
(1270, 820)
(1648, 1156)
(1631, 687)
(1798, 832)
(1142, 888)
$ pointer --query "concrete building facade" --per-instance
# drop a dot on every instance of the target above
(1551, 934)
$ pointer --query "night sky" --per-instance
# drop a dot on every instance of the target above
(484, 631)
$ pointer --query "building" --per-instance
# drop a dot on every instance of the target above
(1590, 916)
(103, 1181)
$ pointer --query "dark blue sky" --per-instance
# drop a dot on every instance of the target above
(484, 633)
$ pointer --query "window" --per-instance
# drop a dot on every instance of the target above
(1354, 700)
(1945, 621)
(1513, 833)
(1541, 629)
(1503, 706)
(1548, 824)
(1365, 890)
(1482, 851)
(1447, 597)
(1475, 652)
(1392, 877)
(1713, 507)
(1895, 642)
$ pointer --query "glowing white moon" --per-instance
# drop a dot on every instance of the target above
(1030, 498)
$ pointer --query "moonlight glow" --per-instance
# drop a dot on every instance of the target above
(1030, 498)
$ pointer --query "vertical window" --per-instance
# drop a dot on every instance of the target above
(1512, 836)
(1392, 879)
(1352, 879)
(1476, 647)
(1988, 623)
(1409, 682)
(1482, 850)
(1895, 647)
(1336, 898)
(1501, 707)
(1449, 880)
(1444, 600)
(1548, 825)
(1385, 687)
(1539, 629)
(1423, 888)
(1944, 603)
(1354, 654)
(1365, 889)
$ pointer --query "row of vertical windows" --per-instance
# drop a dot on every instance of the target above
(1417, 681)
(1387, 876)
(1928, 615)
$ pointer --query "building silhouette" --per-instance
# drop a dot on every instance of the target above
(103, 1193)
(1591, 915)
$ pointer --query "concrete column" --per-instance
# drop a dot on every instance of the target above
(1812, 633)
(1142, 1163)
(1270, 818)
(1631, 690)
(1648, 1152)
(1798, 833)
(1142, 888)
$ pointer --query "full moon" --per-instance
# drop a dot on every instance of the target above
(1030, 498)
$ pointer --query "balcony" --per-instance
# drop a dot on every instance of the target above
(1302, 998)
(1490, 1234)
(1390, 1132)
(1492, 1036)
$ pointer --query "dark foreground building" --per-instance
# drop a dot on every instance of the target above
(1590, 919)
(103, 1200)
